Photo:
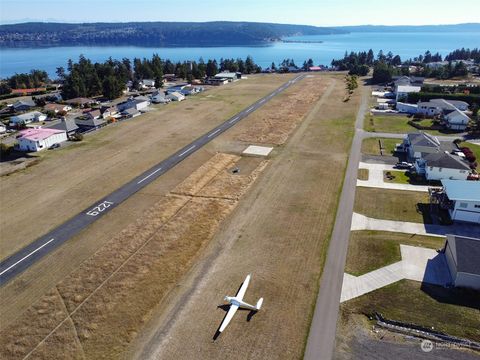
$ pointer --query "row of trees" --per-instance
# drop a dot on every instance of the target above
(33, 79)
(464, 54)
(87, 79)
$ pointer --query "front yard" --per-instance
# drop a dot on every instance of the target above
(398, 205)
(371, 146)
(371, 250)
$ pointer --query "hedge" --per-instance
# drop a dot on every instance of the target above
(425, 96)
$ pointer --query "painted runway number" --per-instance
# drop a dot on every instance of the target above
(99, 208)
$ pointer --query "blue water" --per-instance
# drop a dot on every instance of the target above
(333, 46)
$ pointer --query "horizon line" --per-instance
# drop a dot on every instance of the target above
(54, 21)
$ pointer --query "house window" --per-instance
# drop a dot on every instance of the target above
(463, 205)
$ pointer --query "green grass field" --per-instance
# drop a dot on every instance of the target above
(371, 250)
(399, 205)
(371, 146)
(362, 174)
(453, 311)
(397, 177)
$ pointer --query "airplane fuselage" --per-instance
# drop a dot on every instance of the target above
(237, 302)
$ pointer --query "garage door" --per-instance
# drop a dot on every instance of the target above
(467, 216)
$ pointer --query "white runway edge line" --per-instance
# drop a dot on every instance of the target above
(186, 151)
(151, 174)
(213, 133)
(26, 256)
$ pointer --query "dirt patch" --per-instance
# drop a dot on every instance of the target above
(97, 310)
(282, 114)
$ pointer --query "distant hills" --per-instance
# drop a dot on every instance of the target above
(412, 28)
(219, 33)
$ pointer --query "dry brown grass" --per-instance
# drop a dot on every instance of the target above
(282, 114)
(67, 181)
(97, 310)
(279, 233)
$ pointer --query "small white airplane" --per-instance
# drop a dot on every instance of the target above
(237, 302)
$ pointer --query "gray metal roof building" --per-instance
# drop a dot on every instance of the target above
(463, 259)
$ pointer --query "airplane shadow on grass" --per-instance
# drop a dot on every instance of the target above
(226, 307)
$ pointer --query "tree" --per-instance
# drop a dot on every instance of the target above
(382, 73)
(5, 88)
(212, 68)
(250, 66)
(111, 87)
(60, 73)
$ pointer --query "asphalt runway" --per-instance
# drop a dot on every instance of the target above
(24, 258)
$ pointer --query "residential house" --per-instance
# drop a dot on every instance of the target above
(57, 108)
(90, 124)
(216, 81)
(462, 255)
(408, 80)
(131, 113)
(406, 108)
(40, 139)
(462, 200)
(456, 120)
(67, 125)
(28, 91)
(80, 102)
(147, 83)
(139, 103)
(417, 145)
(460, 105)
(402, 91)
(230, 76)
(23, 105)
(176, 96)
(169, 77)
(109, 111)
(442, 165)
(93, 114)
(160, 98)
(27, 118)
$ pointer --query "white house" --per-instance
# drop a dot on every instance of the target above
(40, 139)
(462, 255)
(176, 96)
(456, 120)
(442, 165)
(406, 108)
(160, 98)
(57, 107)
(27, 118)
(230, 76)
(402, 91)
(138, 103)
(462, 199)
(416, 145)
(148, 83)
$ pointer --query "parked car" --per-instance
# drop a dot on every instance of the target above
(403, 165)
(54, 146)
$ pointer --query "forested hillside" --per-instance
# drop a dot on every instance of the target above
(151, 33)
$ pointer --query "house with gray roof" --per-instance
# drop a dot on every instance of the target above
(462, 255)
(67, 125)
(90, 124)
(442, 165)
(23, 105)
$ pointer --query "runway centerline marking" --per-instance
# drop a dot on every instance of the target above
(26, 256)
(186, 151)
(213, 133)
(151, 174)
(233, 120)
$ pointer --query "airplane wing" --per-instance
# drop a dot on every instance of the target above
(233, 309)
(243, 288)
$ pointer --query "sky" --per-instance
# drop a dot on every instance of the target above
(308, 12)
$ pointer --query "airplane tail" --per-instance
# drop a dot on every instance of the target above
(259, 304)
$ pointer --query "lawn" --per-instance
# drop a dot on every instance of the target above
(397, 177)
(371, 250)
(362, 174)
(399, 205)
(371, 146)
(453, 311)
(390, 124)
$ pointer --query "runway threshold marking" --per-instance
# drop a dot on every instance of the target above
(27, 256)
(151, 174)
(186, 151)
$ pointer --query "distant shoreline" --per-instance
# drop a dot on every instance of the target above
(302, 41)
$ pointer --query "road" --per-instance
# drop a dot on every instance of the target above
(321, 339)
(24, 258)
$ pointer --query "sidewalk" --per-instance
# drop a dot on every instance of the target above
(362, 222)
(419, 264)
(375, 178)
